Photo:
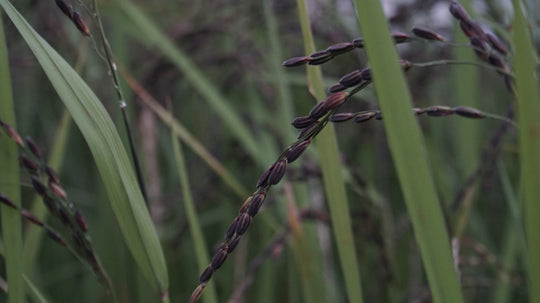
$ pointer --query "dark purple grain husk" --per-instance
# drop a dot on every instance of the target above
(219, 258)
(244, 220)
(66, 9)
(336, 88)
(320, 60)
(468, 112)
(38, 186)
(400, 38)
(57, 190)
(296, 61)
(33, 147)
(340, 48)
(378, 115)
(51, 205)
(296, 151)
(232, 229)
(197, 293)
(53, 177)
(418, 111)
(458, 11)
(233, 243)
(277, 172)
(496, 44)
(366, 74)
(31, 217)
(30, 165)
(307, 130)
(479, 47)
(53, 235)
(65, 218)
(264, 177)
(341, 117)
(303, 122)
(6, 201)
(427, 34)
(335, 100)
(13, 134)
(363, 117)
(81, 221)
(318, 111)
(80, 24)
(255, 204)
(439, 111)
(351, 79)
(206, 275)
(358, 42)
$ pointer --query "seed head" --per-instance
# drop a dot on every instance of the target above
(320, 57)
(232, 229)
(363, 117)
(219, 258)
(318, 111)
(468, 112)
(255, 204)
(335, 100)
(5, 200)
(38, 186)
(400, 38)
(197, 293)
(336, 88)
(496, 44)
(307, 130)
(79, 23)
(303, 122)
(277, 172)
(30, 165)
(358, 42)
(66, 9)
(342, 117)
(439, 111)
(64, 217)
(418, 111)
(13, 134)
(296, 61)
(33, 147)
(427, 34)
(206, 275)
(31, 217)
(57, 189)
(81, 221)
(53, 177)
(51, 205)
(351, 79)
(233, 243)
(264, 177)
(297, 151)
(340, 48)
(53, 235)
(244, 220)
(366, 74)
(458, 11)
(479, 47)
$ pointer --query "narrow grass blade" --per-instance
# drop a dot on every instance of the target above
(201, 251)
(9, 184)
(34, 292)
(528, 104)
(333, 180)
(149, 34)
(34, 236)
(109, 154)
(409, 154)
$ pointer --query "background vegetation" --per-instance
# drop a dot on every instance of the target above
(210, 106)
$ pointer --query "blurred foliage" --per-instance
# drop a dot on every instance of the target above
(228, 41)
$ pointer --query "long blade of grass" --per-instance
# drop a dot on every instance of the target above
(109, 154)
(34, 291)
(333, 180)
(409, 154)
(149, 34)
(201, 251)
(528, 104)
(9, 184)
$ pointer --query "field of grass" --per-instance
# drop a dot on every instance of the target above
(269, 151)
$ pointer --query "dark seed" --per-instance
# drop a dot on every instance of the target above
(79, 23)
(81, 221)
(468, 112)
(219, 258)
(33, 147)
(233, 243)
(320, 60)
(56, 237)
(264, 177)
(467, 29)
(458, 11)
(400, 38)
(303, 122)
(297, 151)
(318, 111)
(51, 205)
(78, 240)
(57, 190)
(418, 111)
(296, 61)
(479, 47)
(497, 62)
(496, 44)
(64, 217)
(244, 220)
(304, 133)
(363, 117)
(335, 100)
(39, 187)
(52, 174)
(5, 200)
(197, 293)
(30, 165)
(320, 54)
(342, 117)
(439, 111)
(351, 79)
(366, 74)
(427, 34)
(378, 115)
(277, 172)
(232, 229)
(340, 48)
(255, 204)
(206, 275)
(478, 31)
(65, 8)
(336, 88)
(31, 217)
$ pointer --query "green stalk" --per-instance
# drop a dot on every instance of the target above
(528, 104)
(409, 154)
(201, 251)
(333, 180)
(9, 184)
